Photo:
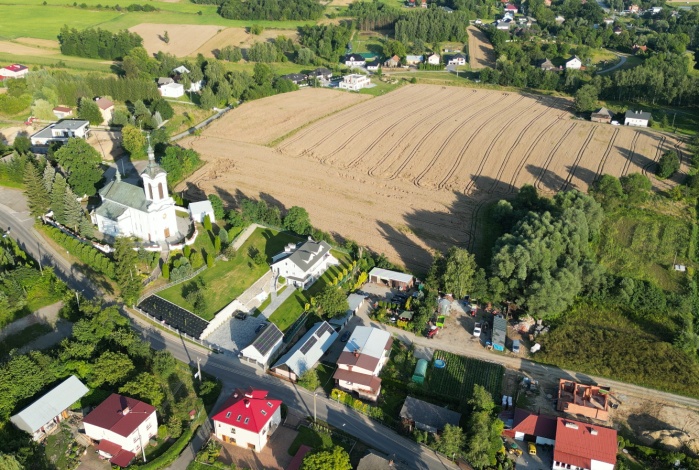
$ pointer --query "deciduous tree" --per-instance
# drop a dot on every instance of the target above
(89, 111)
(297, 220)
(133, 141)
(82, 163)
(336, 459)
(332, 301)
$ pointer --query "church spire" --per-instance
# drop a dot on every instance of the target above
(151, 153)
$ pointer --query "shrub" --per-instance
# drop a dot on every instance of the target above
(166, 270)
(197, 260)
(668, 165)
(209, 260)
(207, 222)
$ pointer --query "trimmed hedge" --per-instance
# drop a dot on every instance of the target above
(170, 455)
(88, 254)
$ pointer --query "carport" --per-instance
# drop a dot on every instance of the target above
(392, 279)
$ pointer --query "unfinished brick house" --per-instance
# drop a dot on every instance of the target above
(587, 400)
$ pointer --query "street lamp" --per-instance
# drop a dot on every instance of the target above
(77, 297)
(315, 420)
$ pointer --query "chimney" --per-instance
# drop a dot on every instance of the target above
(235, 394)
(247, 403)
(126, 411)
(356, 353)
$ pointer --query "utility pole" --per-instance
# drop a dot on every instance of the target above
(199, 368)
(315, 419)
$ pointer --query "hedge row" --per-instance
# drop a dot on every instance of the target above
(170, 455)
(88, 254)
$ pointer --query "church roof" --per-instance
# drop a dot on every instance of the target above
(125, 194)
(110, 210)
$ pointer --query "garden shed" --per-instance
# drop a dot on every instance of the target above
(392, 279)
(499, 333)
(420, 371)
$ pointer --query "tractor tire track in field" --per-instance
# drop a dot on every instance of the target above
(423, 140)
(549, 157)
(658, 151)
(509, 153)
(350, 139)
(487, 153)
(605, 156)
(578, 157)
(467, 144)
(358, 159)
(423, 173)
(474, 224)
(631, 153)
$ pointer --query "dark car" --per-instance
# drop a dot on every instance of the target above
(345, 336)
(241, 315)
(260, 327)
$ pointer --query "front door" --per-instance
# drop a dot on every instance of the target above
(167, 233)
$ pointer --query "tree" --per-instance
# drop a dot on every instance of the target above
(586, 98)
(133, 141)
(166, 38)
(166, 270)
(297, 220)
(89, 111)
(608, 191)
(73, 211)
(217, 205)
(482, 441)
(37, 195)
(58, 200)
(335, 459)
(207, 222)
(217, 242)
(82, 163)
(637, 187)
(22, 144)
(332, 301)
(452, 440)
(126, 272)
(49, 175)
(309, 380)
(9, 462)
(207, 99)
(668, 165)
(144, 387)
(111, 368)
(460, 267)
(210, 259)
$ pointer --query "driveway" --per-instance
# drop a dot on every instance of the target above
(274, 455)
(543, 460)
(622, 61)
(235, 334)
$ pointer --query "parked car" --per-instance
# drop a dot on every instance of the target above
(477, 330)
(345, 336)
(432, 333)
(260, 327)
(241, 315)
(515, 346)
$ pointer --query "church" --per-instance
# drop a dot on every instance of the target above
(146, 212)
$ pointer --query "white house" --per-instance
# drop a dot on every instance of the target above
(434, 59)
(354, 60)
(263, 349)
(457, 59)
(171, 90)
(43, 416)
(637, 118)
(354, 82)
(304, 263)
(122, 426)
(13, 71)
(361, 361)
(413, 59)
(106, 109)
(574, 63)
(580, 445)
(180, 70)
(248, 418)
(146, 212)
(199, 210)
(306, 352)
(59, 132)
(62, 112)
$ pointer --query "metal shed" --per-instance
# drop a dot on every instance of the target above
(499, 333)
(420, 371)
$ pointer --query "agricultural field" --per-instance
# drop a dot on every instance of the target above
(240, 37)
(480, 50)
(462, 373)
(184, 39)
(411, 170)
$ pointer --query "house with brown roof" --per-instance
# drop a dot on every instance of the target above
(122, 426)
(106, 109)
(602, 115)
(547, 65)
(531, 427)
(587, 400)
(62, 112)
(581, 445)
(393, 62)
(361, 361)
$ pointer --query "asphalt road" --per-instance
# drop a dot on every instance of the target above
(622, 61)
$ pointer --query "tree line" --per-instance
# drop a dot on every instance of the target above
(432, 25)
(97, 43)
(272, 10)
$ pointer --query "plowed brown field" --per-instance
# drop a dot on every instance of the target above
(408, 172)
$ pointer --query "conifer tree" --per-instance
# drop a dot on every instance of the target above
(49, 175)
(72, 210)
(58, 195)
(126, 272)
(35, 191)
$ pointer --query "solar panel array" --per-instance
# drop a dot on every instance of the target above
(324, 328)
(309, 344)
(267, 339)
(174, 315)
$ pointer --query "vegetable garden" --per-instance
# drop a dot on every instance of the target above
(462, 373)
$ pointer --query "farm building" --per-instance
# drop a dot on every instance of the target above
(361, 361)
(42, 417)
(304, 263)
(579, 399)
(420, 371)
(547, 65)
(122, 425)
(637, 118)
(306, 352)
(393, 62)
(59, 132)
(499, 333)
(171, 90)
(603, 115)
(531, 427)
(413, 59)
(355, 301)
(354, 82)
(511, 8)
(248, 418)
(262, 350)
(392, 279)
(434, 59)
(13, 71)
(199, 210)
(425, 416)
(374, 461)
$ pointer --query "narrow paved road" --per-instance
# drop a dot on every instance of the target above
(622, 61)
(204, 123)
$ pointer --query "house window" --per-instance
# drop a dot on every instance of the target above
(149, 425)
(269, 404)
(135, 438)
(232, 430)
(238, 418)
(247, 420)
(228, 415)
(160, 190)
(264, 413)
(264, 431)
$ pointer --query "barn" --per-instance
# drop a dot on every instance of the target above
(392, 279)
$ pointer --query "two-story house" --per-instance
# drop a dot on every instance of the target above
(361, 361)
(304, 263)
(59, 132)
(248, 418)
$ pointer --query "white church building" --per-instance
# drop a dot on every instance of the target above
(146, 212)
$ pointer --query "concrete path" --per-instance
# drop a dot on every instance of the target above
(48, 314)
(242, 238)
(622, 61)
(277, 301)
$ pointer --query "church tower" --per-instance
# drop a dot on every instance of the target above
(154, 179)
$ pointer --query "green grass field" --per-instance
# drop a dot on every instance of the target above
(460, 375)
(287, 313)
(226, 280)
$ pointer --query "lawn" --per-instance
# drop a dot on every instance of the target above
(325, 375)
(185, 117)
(460, 375)
(226, 280)
(287, 313)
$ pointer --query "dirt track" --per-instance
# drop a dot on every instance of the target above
(480, 50)
(409, 172)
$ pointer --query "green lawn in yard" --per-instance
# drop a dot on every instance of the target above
(381, 88)
(25, 336)
(287, 313)
(226, 280)
(325, 376)
(311, 438)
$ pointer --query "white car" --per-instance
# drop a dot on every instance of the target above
(477, 330)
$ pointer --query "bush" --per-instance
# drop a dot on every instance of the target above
(668, 165)
(197, 260)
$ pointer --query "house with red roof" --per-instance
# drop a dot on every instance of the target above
(122, 426)
(511, 8)
(248, 418)
(531, 427)
(13, 71)
(581, 445)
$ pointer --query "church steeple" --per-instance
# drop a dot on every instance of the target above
(154, 178)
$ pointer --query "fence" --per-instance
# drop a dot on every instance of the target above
(222, 316)
(103, 248)
(170, 284)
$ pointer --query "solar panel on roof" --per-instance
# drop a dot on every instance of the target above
(309, 344)
(175, 316)
(324, 328)
(267, 339)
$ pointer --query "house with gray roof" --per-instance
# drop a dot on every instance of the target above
(59, 132)
(302, 264)
(637, 118)
(426, 416)
(263, 350)
(306, 352)
(42, 417)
